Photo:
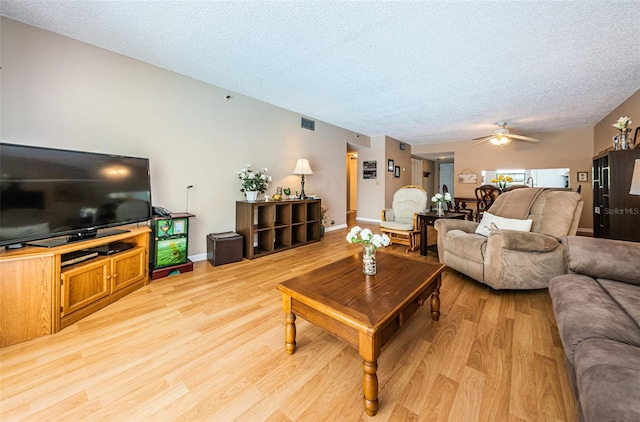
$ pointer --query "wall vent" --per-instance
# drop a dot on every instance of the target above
(308, 124)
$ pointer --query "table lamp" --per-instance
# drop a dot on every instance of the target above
(635, 179)
(302, 168)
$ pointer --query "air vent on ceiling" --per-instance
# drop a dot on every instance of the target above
(308, 124)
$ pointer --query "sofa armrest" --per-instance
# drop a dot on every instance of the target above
(446, 224)
(387, 214)
(525, 241)
(603, 258)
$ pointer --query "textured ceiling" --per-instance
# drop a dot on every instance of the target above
(418, 71)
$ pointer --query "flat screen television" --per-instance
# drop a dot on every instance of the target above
(49, 197)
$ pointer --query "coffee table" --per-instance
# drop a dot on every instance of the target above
(364, 311)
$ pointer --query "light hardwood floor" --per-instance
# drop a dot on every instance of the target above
(209, 346)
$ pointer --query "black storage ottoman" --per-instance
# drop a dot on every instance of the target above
(223, 248)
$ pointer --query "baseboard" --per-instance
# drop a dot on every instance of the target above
(338, 227)
(584, 232)
(369, 220)
(198, 257)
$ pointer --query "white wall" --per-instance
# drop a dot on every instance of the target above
(62, 93)
(371, 191)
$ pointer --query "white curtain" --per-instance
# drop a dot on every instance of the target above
(416, 172)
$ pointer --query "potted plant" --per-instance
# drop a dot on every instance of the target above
(253, 181)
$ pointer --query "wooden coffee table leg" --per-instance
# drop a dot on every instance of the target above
(289, 326)
(370, 387)
(290, 333)
(435, 300)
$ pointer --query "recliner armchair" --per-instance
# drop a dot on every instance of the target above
(400, 222)
(510, 259)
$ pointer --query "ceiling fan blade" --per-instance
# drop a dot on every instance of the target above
(481, 140)
(525, 138)
(482, 137)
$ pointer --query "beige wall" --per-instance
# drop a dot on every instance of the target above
(604, 132)
(570, 148)
(401, 159)
(62, 93)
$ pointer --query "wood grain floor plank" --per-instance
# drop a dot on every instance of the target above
(470, 392)
(209, 345)
(437, 403)
(523, 404)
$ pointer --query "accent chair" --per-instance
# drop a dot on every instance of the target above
(400, 222)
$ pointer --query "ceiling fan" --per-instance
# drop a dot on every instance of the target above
(502, 136)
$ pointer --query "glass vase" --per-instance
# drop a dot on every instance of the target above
(623, 139)
(440, 209)
(369, 259)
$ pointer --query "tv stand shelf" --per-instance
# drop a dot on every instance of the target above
(38, 297)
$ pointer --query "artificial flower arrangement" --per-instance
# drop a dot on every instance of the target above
(438, 197)
(502, 181)
(367, 238)
(622, 124)
(254, 180)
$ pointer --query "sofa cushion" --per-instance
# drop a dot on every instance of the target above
(466, 245)
(585, 310)
(608, 380)
(491, 222)
(553, 213)
(603, 258)
(627, 298)
(396, 225)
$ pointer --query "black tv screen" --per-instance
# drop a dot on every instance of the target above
(47, 193)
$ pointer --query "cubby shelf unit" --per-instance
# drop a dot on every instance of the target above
(269, 227)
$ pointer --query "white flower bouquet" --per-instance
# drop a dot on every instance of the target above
(438, 197)
(622, 124)
(367, 238)
(254, 180)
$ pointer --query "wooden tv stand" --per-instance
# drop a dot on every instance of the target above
(38, 297)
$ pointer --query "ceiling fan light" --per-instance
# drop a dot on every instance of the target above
(500, 140)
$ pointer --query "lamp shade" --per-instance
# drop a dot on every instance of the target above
(302, 167)
(635, 179)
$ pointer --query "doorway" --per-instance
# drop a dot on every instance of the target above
(446, 177)
(352, 186)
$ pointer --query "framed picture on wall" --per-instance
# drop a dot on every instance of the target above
(583, 176)
(390, 165)
(369, 169)
(468, 178)
(397, 171)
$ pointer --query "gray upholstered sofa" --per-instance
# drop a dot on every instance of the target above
(510, 259)
(597, 309)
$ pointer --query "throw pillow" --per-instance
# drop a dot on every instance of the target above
(492, 222)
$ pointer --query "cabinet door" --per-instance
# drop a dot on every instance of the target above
(84, 285)
(127, 268)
